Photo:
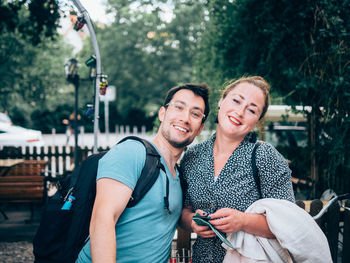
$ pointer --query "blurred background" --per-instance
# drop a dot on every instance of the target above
(147, 47)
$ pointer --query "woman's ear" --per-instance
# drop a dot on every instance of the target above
(219, 103)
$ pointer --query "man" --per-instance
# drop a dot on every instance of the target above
(144, 233)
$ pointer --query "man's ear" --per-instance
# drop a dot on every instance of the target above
(200, 129)
(161, 113)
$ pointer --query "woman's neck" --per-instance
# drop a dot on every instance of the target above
(223, 147)
(226, 144)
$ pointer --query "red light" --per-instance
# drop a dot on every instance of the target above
(33, 140)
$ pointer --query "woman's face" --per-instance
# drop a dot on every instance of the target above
(240, 110)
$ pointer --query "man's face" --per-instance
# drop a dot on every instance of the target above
(181, 120)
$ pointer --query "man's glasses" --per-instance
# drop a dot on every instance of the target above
(178, 106)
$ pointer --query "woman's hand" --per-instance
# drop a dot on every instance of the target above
(202, 231)
(228, 220)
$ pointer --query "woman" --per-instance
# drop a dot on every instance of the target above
(218, 173)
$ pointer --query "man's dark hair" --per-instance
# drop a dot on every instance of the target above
(201, 90)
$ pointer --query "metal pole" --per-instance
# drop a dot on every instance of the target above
(83, 11)
(107, 119)
(75, 123)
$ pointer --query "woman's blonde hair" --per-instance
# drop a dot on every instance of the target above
(254, 80)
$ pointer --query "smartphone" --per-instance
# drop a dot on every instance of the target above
(201, 220)
(202, 217)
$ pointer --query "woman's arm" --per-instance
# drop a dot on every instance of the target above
(186, 218)
(231, 220)
(188, 224)
(274, 173)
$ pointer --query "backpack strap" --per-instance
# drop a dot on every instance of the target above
(255, 169)
(149, 173)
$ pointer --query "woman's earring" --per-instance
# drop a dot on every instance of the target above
(217, 116)
(216, 119)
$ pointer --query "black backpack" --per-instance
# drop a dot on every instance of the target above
(62, 233)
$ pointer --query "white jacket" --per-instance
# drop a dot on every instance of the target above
(298, 237)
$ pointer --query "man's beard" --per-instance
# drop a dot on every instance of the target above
(178, 145)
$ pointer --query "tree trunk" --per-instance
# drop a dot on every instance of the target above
(313, 141)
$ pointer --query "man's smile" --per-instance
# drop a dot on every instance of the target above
(182, 129)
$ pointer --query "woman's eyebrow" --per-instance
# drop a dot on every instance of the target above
(242, 97)
(239, 95)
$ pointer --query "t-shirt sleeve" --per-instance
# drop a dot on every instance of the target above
(124, 163)
(274, 173)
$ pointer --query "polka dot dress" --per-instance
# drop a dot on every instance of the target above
(235, 186)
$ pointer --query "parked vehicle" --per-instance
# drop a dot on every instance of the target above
(4, 118)
(286, 135)
(12, 135)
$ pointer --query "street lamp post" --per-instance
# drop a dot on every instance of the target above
(71, 69)
(86, 17)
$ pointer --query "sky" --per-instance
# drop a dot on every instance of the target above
(96, 11)
(95, 8)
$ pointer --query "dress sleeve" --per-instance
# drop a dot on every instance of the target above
(184, 167)
(274, 173)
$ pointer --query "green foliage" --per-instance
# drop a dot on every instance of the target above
(302, 48)
(34, 20)
(32, 76)
(144, 55)
(31, 59)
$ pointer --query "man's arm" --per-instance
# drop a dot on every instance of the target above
(111, 199)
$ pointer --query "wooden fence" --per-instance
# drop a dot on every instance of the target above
(59, 158)
(335, 224)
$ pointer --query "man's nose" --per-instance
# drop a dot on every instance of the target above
(186, 115)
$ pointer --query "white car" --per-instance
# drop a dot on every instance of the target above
(4, 118)
(11, 135)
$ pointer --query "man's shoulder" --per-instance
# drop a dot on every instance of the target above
(124, 162)
(126, 146)
(127, 152)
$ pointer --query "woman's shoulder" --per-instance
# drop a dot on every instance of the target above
(199, 147)
(267, 152)
(266, 148)
(194, 152)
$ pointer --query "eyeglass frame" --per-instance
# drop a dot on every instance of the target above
(186, 106)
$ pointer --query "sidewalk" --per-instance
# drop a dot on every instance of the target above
(16, 252)
(16, 234)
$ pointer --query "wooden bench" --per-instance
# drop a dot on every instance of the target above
(335, 218)
(24, 184)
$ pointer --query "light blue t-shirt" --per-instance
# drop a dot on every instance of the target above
(144, 232)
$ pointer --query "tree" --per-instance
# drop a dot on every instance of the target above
(33, 20)
(144, 55)
(32, 77)
(31, 59)
(302, 48)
